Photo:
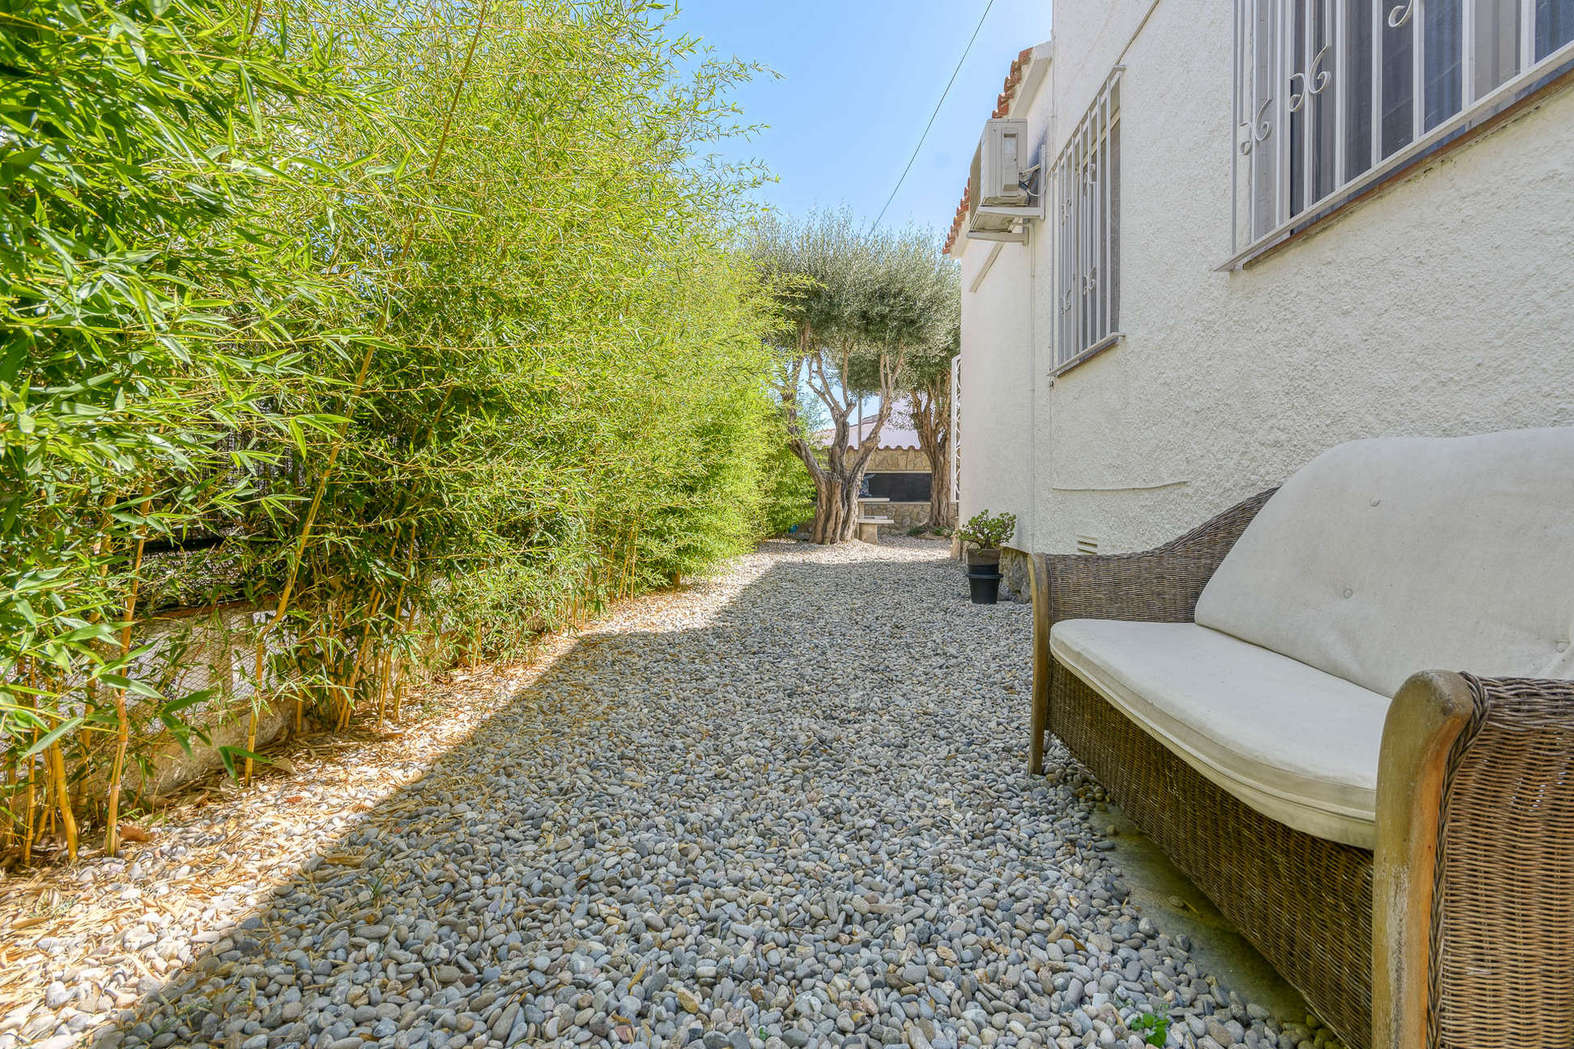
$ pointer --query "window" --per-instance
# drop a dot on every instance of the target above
(1085, 193)
(1327, 91)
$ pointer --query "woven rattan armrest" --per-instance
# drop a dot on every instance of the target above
(1158, 585)
(1473, 880)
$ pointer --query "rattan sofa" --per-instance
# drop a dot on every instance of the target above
(1407, 864)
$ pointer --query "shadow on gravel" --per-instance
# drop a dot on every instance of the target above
(580, 867)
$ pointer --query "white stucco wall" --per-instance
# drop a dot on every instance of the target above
(996, 403)
(1444, 304)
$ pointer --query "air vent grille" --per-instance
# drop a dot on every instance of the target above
(1087, 544)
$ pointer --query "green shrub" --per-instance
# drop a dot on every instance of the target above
(789, 493)
(988, 531)
(1155, 1029)
(423, 333)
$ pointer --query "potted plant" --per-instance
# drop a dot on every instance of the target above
(983, 536)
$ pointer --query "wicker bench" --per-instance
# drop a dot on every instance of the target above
(1406, 863)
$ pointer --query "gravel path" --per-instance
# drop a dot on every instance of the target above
(785, 808)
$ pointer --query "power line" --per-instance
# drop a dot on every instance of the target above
(965, 51)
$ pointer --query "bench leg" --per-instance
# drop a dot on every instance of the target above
(1038, 584)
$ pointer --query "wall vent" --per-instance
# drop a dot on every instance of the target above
(1087, 544)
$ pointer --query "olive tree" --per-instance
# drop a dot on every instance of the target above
(857, 306)
(928, 384)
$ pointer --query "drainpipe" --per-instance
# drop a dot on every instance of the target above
(1030, 540)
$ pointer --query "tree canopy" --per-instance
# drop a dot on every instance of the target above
(867, 313)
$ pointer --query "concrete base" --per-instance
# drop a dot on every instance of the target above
(869, 528)
(1177, 907)
(1013, 576)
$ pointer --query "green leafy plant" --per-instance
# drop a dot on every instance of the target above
(411, 331)
(787, 487)
(146, 349)
(988, 531)
(1155, 1028)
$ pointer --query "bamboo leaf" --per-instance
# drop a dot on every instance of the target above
(60, 731)
(228, 755)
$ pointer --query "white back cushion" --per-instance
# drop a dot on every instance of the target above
(1385, 557)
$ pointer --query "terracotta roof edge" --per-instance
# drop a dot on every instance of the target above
(1003, 104)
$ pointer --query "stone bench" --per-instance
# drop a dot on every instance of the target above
(869, 528)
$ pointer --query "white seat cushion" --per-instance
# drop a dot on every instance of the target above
(1382, 558)
(1296, 744)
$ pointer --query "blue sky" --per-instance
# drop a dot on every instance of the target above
(858, 80)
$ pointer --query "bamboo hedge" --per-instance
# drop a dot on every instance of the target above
(411, 332)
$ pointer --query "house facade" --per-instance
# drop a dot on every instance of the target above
(1253, 229)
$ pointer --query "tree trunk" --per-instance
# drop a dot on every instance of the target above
(839, 475)
(836, 510)
(942, 511)
(932, 420)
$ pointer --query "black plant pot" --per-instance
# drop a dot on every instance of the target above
(984, 583)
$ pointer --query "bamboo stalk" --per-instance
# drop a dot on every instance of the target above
(338, 612)
(8, 831)
(30, 825)
(400, 670)
(90, 687)
(629, 565)
(122, 720)
(355, 667)
(31, 828)
(382, 684)
(344, 427)
(56, 762)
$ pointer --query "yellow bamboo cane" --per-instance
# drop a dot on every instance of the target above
(122, 720)
(355, 667)
(344, 427)
(30, 825)
(55, 761)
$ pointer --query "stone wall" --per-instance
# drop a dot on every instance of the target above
(210, 651)
(898, 460)
(183, 653)
(904, 515)
(1014, 576)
